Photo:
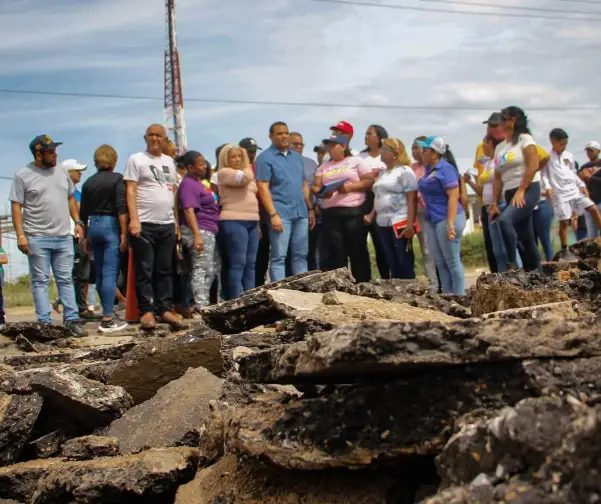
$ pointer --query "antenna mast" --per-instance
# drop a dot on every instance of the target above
(174, 100)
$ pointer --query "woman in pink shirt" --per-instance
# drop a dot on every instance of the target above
(419, 168)
(239, 218)
(342, 209)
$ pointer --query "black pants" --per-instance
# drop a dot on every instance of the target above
(2, 314)
(153, 260)
(490, 256)
(263, 254)
(372, 230)
(343, 239)
(81, 275)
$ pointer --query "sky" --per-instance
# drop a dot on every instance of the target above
(292, 51)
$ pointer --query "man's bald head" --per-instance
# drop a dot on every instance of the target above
(155, 139)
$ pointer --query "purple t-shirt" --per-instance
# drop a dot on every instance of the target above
(193, 194)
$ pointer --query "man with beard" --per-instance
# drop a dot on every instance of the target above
(43, 205)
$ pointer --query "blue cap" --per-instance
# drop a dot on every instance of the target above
(435, 143)
(338, 139)
(43, 143)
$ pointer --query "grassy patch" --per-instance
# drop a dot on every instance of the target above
(18, 292)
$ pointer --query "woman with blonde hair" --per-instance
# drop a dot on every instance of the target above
(239, 218)
(395, 208)
(104, 214)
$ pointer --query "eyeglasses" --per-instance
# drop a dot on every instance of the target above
(297, 144)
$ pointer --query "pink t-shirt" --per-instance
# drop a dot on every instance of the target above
(420, 171)
(351, 168)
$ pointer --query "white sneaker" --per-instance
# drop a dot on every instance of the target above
(113, 325)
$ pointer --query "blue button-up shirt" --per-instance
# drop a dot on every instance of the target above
(285, 174)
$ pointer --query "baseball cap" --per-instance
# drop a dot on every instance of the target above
(320, 148)
(494, 119)
(43, 143)
(593, 146)
(344, 127)
(72, 164)
(338, 139)
(249, 144)
(437, 144)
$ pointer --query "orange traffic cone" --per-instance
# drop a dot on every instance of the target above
(131, 310)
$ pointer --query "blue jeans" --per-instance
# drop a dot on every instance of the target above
(296, 236)
(592, 230)
(447, 254)
(104, 234)
(498, 244)
(398, 253)
(516, 224)
(54, 252)
(542, 219)
(242, 242)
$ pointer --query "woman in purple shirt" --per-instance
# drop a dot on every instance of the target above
(445, 218)
(199, 219)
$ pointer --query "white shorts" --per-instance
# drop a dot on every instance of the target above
(563, 210)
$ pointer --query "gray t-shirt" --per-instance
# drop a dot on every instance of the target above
(157, 183)
(44, 195)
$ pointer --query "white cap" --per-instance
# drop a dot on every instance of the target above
(593, 145)
(72, 164)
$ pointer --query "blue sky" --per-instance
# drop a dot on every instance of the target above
(288, 50)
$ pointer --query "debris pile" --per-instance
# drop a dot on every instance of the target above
(320, 390)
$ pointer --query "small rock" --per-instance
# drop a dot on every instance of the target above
(331, 298)
(90, 447)
(91, 403)
(18, 415)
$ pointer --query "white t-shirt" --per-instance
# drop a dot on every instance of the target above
(156, 177)
(390, 189)
(559, 175)
(510, 161)
(375, 164)
(215, 178)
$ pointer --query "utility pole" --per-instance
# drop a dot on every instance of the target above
(174, 100)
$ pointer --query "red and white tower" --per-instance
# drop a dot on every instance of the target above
(174, 100)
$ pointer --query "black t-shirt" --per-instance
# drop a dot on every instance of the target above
(594, 184)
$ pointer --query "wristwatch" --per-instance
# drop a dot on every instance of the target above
(79, 223)
(272, 215)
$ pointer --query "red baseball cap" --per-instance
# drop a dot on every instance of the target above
(344, 127)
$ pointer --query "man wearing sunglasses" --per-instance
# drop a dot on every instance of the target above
(43, 205)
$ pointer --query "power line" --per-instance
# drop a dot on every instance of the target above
(594, 2)
(452, 11)
(505, 6)
(480, 108)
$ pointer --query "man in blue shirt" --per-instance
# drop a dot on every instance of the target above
(284, 193)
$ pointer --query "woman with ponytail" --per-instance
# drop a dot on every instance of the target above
(517, 179)
(374, 136)
(445, 217)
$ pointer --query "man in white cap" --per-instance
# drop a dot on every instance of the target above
(82, 263)
(590, 173)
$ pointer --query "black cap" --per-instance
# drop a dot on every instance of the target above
(249, 144)
(320, 148)
(43, 143)
(494, 119)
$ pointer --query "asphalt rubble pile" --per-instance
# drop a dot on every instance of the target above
(318, 389)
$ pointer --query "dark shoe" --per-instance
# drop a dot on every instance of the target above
(148, 322)
(89, 316)
(76, 330)
(113, 325)
(566, 256)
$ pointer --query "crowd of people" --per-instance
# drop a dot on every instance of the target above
(200, 234)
